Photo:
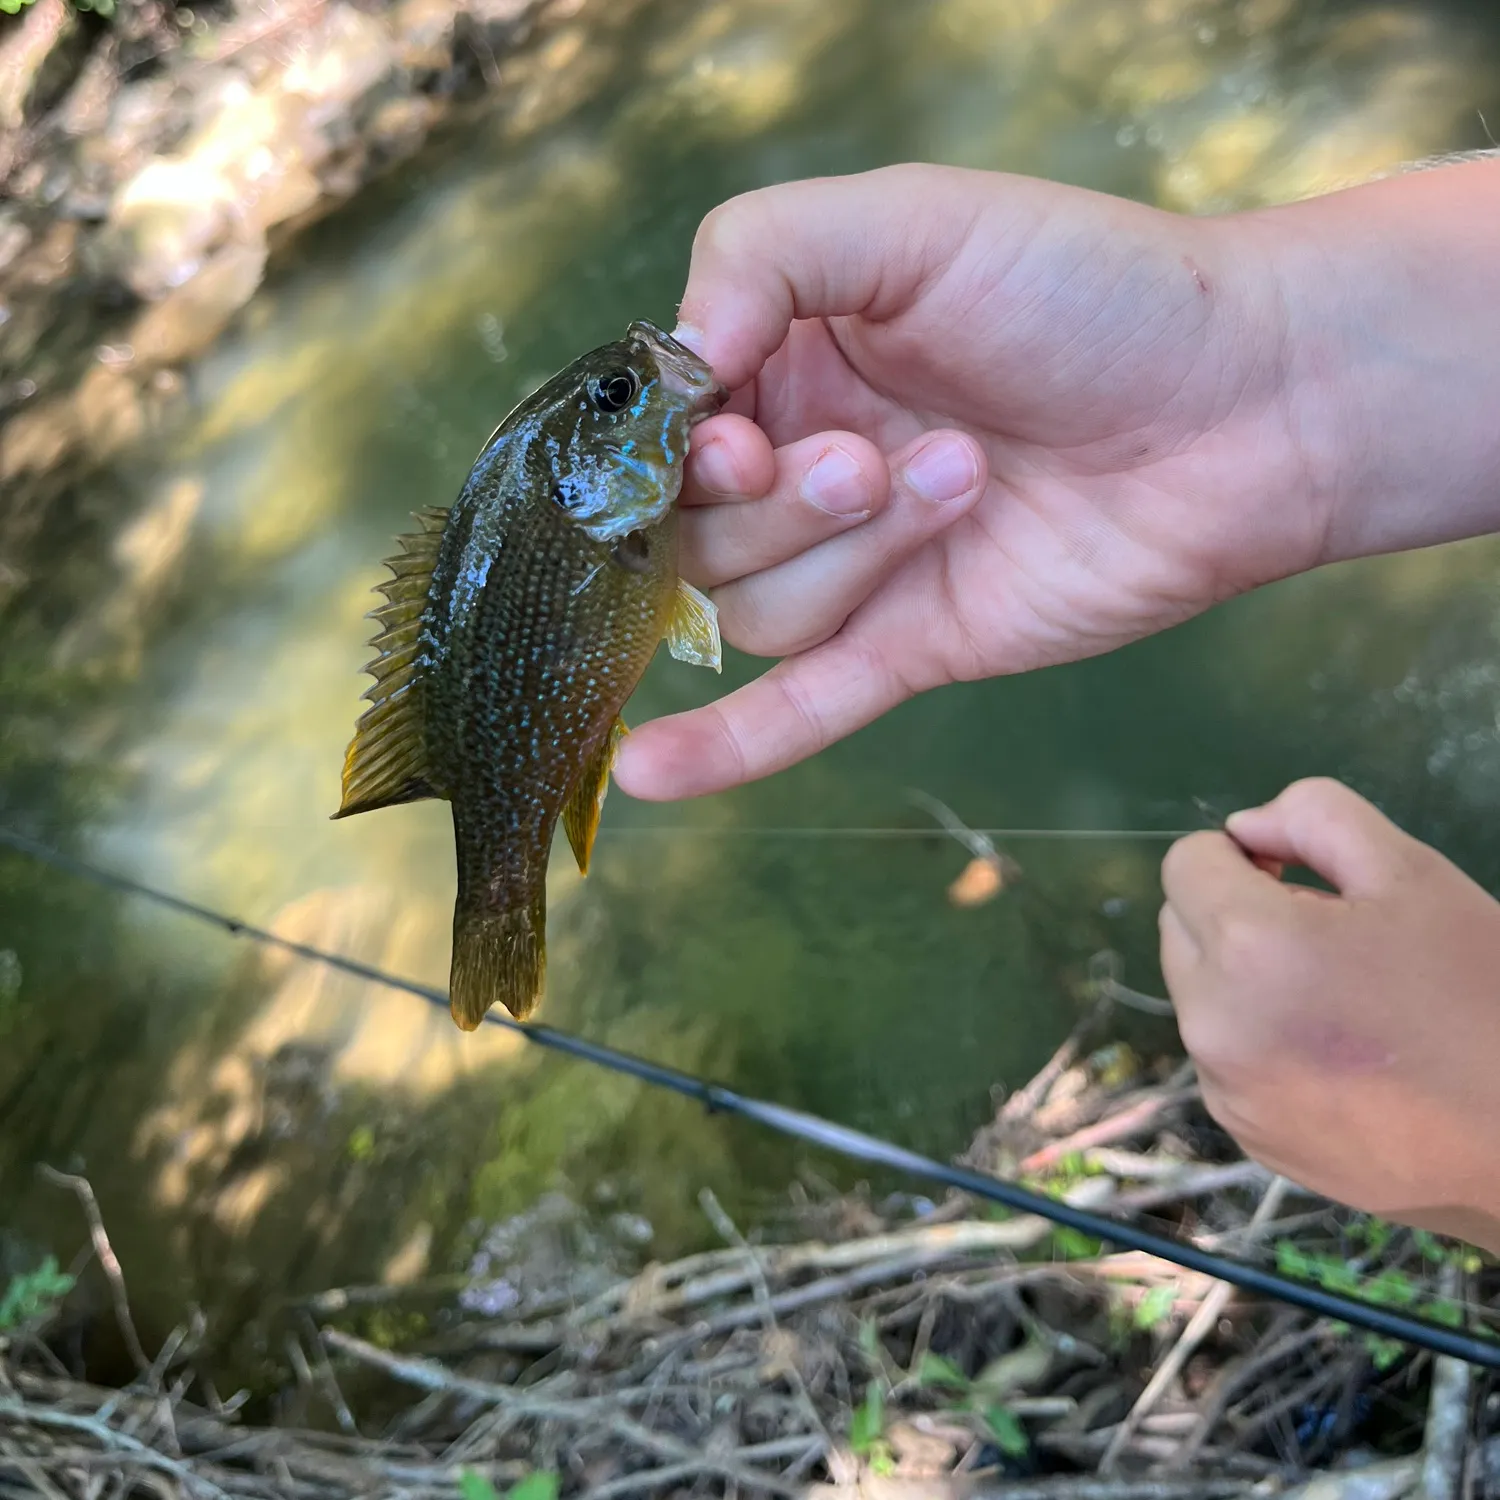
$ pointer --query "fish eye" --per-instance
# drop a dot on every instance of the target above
(612, 393)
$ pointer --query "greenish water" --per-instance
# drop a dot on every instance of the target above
(179, 689)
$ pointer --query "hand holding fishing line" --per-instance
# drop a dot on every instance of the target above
(1348, 1041)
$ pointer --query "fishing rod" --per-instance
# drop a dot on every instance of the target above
(1422, 1333)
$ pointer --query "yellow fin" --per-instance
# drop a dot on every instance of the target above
(498, 956)
(386, 762)
(693, 630)
(583, 809)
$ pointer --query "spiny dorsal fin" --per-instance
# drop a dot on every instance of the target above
(693, 630)
(386, 762)
(586, 805)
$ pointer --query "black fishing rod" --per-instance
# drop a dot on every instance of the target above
(1423, 1333)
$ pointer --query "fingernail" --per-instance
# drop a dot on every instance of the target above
(689, 335)
(942, 471)
(836, 484)
(714, 470)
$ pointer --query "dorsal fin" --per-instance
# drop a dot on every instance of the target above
(386, 762)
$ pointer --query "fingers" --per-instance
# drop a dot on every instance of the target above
(827, 247)
(730, 459)
(799, 707)
(1331, 830)
(803, 601)
(774, 507)
(1207, 874)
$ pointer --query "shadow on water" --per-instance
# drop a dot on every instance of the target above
(180, 685)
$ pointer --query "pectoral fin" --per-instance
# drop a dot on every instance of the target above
(386, 762)
(581, 815)
(693, 630)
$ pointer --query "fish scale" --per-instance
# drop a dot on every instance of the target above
(545, 591)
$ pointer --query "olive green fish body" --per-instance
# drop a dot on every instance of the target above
(519, 623)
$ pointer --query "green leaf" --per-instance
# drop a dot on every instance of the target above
(33, 1294)
(542, 1485)
(361, 1143)
(1010, 1437)
(869, 1419)
(1428, 1246)
(1156, 1306)
(934, 1369)
(1392, 1288)
(1291, 1261)
(1384, 1353)
(869, 1341)
(882, 1460)
(1071, 1244)
(1445, 1310)
(474, 1486)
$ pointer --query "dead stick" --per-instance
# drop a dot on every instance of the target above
(1197, 1330)
(763, 1301)
(1446, 1435)
(1028, 1098)
(1193, 1182)
(124, 1448)
(651, 1479)
(1277, 1346)
(1133, 1120)
(1090, 1488)
(108, 1261)
(432, 1377)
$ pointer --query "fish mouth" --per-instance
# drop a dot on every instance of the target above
(682, 372)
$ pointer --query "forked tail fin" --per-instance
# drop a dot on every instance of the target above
(498, 956)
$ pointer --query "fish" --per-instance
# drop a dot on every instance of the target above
(517, 623)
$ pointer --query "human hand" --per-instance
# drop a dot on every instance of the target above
(1122, 416)
(1046, 422)
(1350, 1042)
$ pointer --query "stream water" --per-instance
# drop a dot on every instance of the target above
(180, 691)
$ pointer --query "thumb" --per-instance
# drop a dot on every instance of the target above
(1327, 828)
(824, 248)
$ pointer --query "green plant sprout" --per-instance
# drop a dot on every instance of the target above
(34, 1294)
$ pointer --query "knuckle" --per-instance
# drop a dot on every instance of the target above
(1178, 863)
(750, 623)
(1244, 942)
(728, 227)
(1319, 797)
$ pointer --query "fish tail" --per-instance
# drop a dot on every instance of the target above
(498, 956)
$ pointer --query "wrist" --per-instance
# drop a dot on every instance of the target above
(1389, 298)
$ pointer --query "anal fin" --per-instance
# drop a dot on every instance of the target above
(693, 630)
(386, 763)
(583, 809)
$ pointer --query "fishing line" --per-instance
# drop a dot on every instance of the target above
(680, 830)
(841, 1139)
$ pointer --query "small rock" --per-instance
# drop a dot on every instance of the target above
(424, 34)
(38, 60)
(343, 63)
(14, 238)
(110, 414)
(400, 125)
(188, 320)
(33, 441)
(166, 219)
(86, 110)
